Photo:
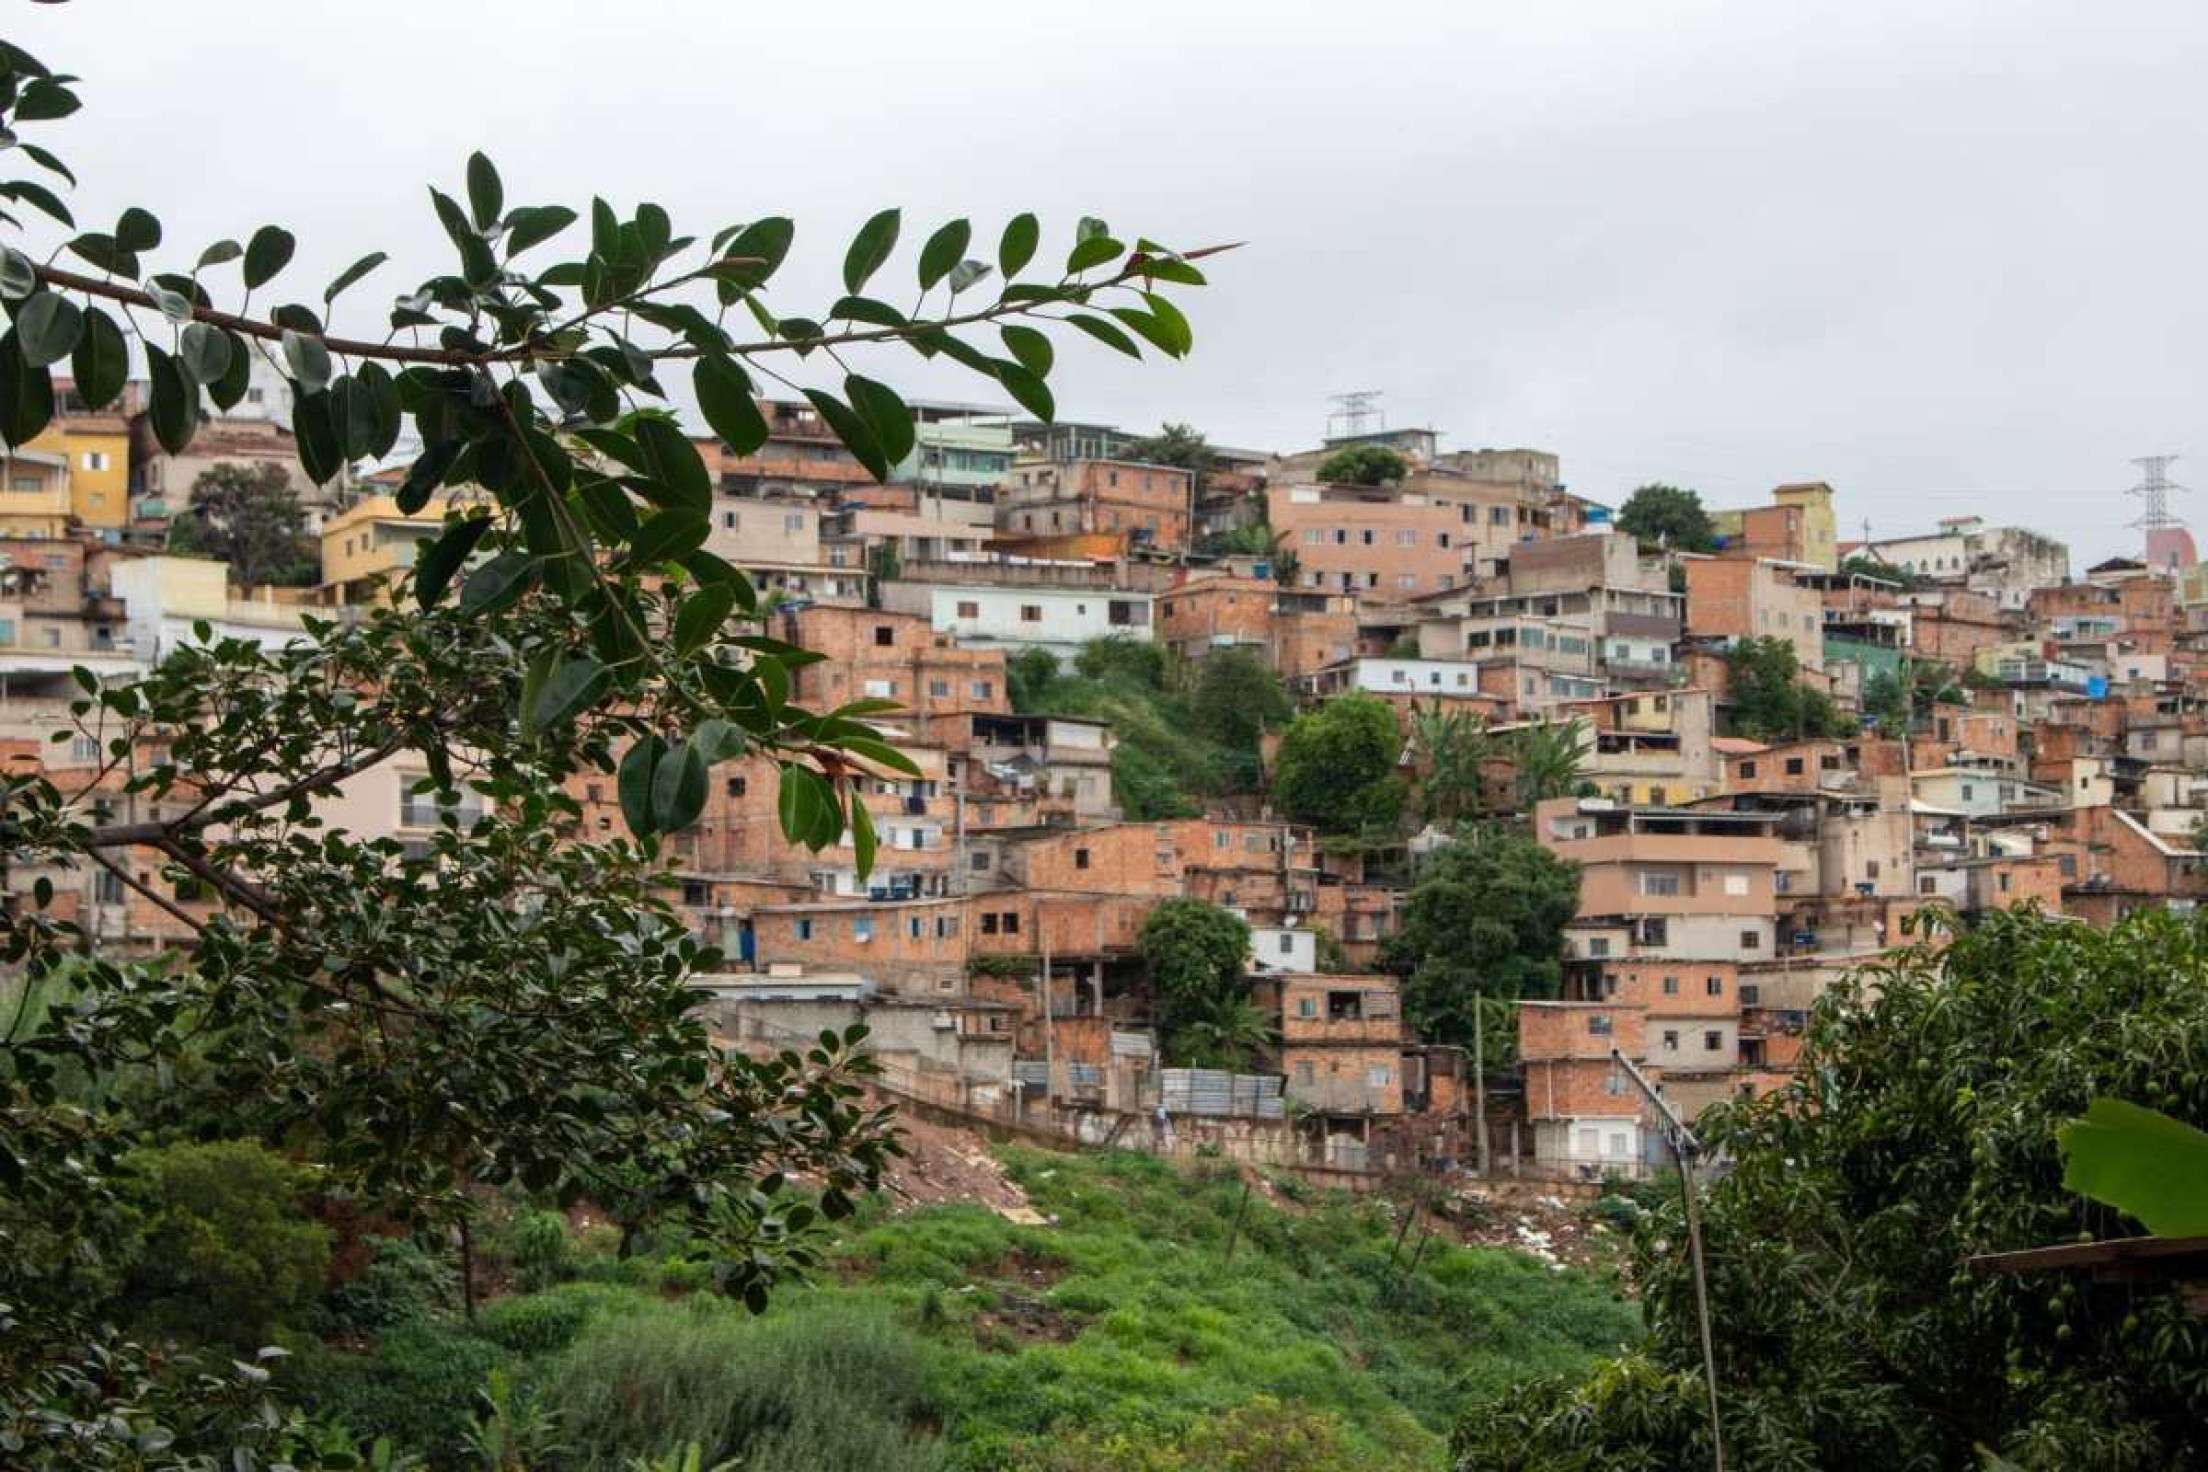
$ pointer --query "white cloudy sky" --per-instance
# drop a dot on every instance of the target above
(1941, 254)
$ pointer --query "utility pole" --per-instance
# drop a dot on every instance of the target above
(1688, 1148)
(1479, 1083)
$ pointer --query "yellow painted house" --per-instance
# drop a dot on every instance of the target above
(372, 539)
(34, 492)
(96, 448)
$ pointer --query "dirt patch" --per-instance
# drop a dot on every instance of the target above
(1555, 1231)
(1018, 1320)
(943, 1164)
(1027, 1268)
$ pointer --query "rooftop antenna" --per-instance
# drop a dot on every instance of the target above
(1360, 414)
(2153, 492)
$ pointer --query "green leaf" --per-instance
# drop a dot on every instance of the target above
(863, 841)
(881, 753)
(1105, 333)
(204, 352)
(674, 462)
(317, 436)
(573, 684)
(173, 405)
(667, 535)
(724, 397)
(853, 431)
(268, 252)
(965, 274)
(1032, 348)
(702, 615)
(48, 325)
(436, 563)
(767, 241)
(220, 252)
(41, 198)
(137, 229)
(486, 196)
(885, 414)
(427, 474)
(382, 407)
(18, 275)
(1160, 335)
(869, 248)
(866, 309)
(678, 788)
(230, 388)
(533, 224)
(1090, 228)
(309, 360)
(1094, 251)
(945, 249)
(1032, 393)
(1172, 323)
(101, 362)
(718, 740)
(46, 160)
(26, 394)
(44, 100)
(352, 273)
(807, 807)
(102, 251)
(1022, 233)
(634, 782)
(498, 584)
(2146, 1165)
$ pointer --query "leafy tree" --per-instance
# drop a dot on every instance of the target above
(1235, 699)
(513, 1004)
(1232, 1034)
(1146, 788)
(1451, 748)
(1863, 565)
(1485, 919)
(1181, 445)
(1337, 767)
(1668, 516)
(1548, 756)
(1194, 954)
(249, 517)
(1363, 465)
(1769, 701)
(1921, 1131)
(226, 1251)
(1256, 539)
(1884, 700)
(1028, 678)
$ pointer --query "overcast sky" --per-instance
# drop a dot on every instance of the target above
(1942, 255)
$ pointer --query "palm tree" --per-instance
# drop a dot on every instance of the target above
(1452, 746)
(1235, 1031)
(1548, 758)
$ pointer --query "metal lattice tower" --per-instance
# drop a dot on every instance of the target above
(1360, 413)
(2153, 492)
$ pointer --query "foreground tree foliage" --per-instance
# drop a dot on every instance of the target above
(508, 1004)
(1923, 1130)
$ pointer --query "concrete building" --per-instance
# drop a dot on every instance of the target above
(1105, 508)
(1754, 598)
(1059, 620)
(1797, 526)
(1384, 545)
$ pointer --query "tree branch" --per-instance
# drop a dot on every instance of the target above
(125, 835)
(160, 900)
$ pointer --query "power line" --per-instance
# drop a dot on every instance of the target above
(2153, 492)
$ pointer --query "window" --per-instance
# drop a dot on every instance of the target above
(731, 520)
(1307, 1006)
(1599, 1024)
(979, 859)
(1654, 931)
(1599, 946)
(1793, 766)
(736, 786)
(1712, 1040)
(988, 918)
(1671, 986)
(1377, 1076)
(1303, 1073)
(1751, 940)
(1926, 884)
(885, 636)
(695, 892)
(946, 926)
(1011, 922)
(84, 748)
(982, 689)
(1736, 884)
(912, 926)
(1671, 1040)
(1968, 793)
(1406, 539)
(1714, 985)
(1659, 884)
(107, 888)
(939, 689)
(1367, 535)
(2002, 879)
(1312, 536)
(969, 609)
(95, 459)
(1287, 943)
(793, 521)
(1080, 858)
(862, 927)
(1031, 613)
(805, 929)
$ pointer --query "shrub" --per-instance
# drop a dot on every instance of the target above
(539, 1250)
(227, 1252)
(538, 1324)
(403, 1282)
(418, 1388)
(830, 1388)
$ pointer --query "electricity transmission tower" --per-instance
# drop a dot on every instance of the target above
(1360, 413)
(2153, 492)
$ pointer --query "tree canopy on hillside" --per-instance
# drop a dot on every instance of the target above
(1363, 465)
(1768, 698)
(250, 517)
(1668, 516)
(1336, 768)
(507, 1002)
(1919, 1131)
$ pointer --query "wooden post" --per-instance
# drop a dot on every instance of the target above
(1234, 1233)
(1479, 1083)
(1425, 1232)
(1401, 1232)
